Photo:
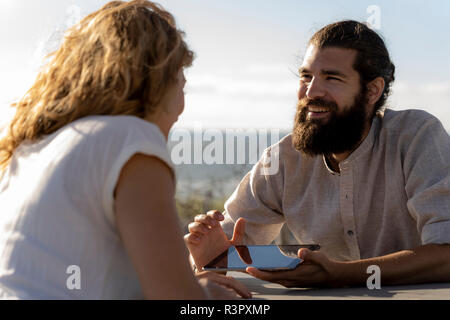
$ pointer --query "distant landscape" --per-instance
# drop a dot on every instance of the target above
(202, 187)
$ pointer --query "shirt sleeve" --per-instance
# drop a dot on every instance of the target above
(258, 199)
(145, 147)
(427, 177)
(108, 143)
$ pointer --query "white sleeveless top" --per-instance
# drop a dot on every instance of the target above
(58, 238)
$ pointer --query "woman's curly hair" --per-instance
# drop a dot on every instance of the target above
(119, 60)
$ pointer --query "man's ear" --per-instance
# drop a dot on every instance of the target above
(375, 89)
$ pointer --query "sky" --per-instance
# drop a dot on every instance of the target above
(247, 52)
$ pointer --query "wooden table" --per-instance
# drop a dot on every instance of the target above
(271, 291)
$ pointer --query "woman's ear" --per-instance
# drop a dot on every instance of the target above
(375, 89)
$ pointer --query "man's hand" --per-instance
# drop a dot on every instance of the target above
(206, 238)
(424, 264)
(316, 270)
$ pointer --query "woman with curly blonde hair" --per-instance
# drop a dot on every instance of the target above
(86, 182)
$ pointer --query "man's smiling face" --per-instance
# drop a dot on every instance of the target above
(331, 112)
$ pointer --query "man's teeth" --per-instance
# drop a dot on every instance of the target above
(315, 109)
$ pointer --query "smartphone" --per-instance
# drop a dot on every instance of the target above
(263, 257)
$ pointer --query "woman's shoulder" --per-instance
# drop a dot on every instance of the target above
(115, 125)
(100, 138)
(115, 131)
(115, 135)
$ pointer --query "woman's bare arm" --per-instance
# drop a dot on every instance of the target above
(148, 225)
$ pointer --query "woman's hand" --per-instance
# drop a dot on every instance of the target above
(221, 287)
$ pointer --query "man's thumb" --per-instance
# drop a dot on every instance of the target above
(310, 256)
(239, 231)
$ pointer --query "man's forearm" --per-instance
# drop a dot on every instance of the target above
(428, 263)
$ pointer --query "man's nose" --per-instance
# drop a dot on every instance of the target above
(315, 89)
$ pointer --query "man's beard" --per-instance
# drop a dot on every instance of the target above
(341, 132)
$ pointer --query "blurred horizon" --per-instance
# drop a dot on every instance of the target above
(247, 53)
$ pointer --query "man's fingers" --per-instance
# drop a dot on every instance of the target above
(275, 277)
(216, 215)
(210, 219)
(263, 275)
(239, 232)
(272, 276)
(198, 227)
(207, 220)
(192, 238)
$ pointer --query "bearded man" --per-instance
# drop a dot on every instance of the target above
(368, 184)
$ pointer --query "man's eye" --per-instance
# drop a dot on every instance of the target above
(305, 77)
(333, 78)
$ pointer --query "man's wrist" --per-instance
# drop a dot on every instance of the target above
(347, 273)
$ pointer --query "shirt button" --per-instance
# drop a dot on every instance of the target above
(350, 232)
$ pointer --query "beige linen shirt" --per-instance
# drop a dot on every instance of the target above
(392, 192)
